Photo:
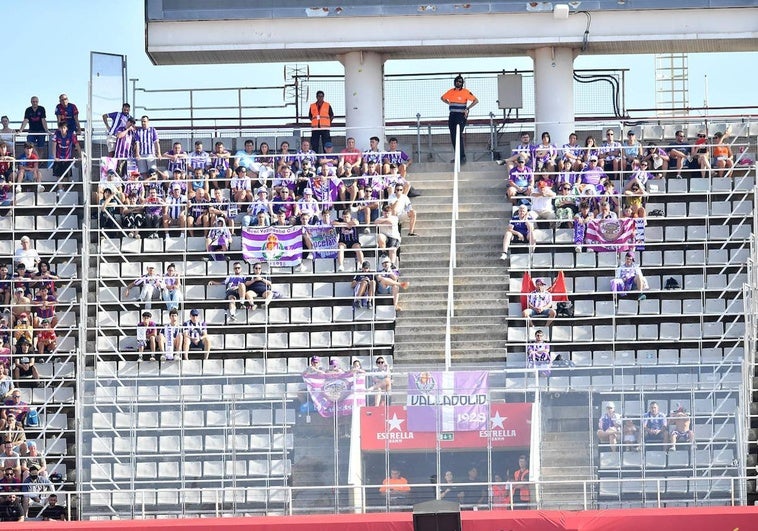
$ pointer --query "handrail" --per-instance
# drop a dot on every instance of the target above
(453, 252)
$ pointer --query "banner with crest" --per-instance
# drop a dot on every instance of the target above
(617, 235)
(279, 246)
(335, 394)
(448, 401)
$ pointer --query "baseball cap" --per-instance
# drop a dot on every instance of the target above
(33, 466)
(630, 255)
(326, 145)
(593, 157)
(261, 190)
(21, 290)
(194, 311)
(611, 405)
(23, 314)
(240, 169)
(386, 260)
(520, 159)
(366, 263)
(25, 360)
(212, 168)
(540, 281)
(314, 359)
(631, 133)
(307, 191)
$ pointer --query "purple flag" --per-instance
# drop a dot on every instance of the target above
(336, 393)
(448, 401)
(279, 246)
(324, 239)
(611, 234)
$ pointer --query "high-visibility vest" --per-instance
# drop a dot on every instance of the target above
(521, 491)
(320, 118)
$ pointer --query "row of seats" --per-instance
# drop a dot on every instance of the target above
(701, 488)
(248, 367)
(250, 444)
(650, 332)
(270, 393)
(67, 198)
(660, 459)
(171, 499)
(624, 359)
(200, 471)
(563, 380)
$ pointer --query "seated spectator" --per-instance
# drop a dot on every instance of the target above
(28, 169)
(631, 149)
(610, 196)
(680, 431)
(348, 238)
(171, 338)
(520, 180)
(382, 381)
(389, 233)
(30, 456)
(10, 482)
(655, 425)
(11, 509)
(46, 340)
(235, 289)
(581, 218)
(155, 210)
(545, 154)
(27, 255)
(14, 406)
(52, 511)
(220, 159)
(629, 277)
(609, 154)
(629, 436)
(110, 213)
(572, 155)
(257, 285)
(261, 205)
(609, 426)
(525, 151)
(395, 487)
(35, 487)
(538, 354)
(147, 336)
(13, 432)
(172, 288)
(6, 384)
(388, 281)
(364, 286)
(539, 304)
(606, 212)
(23, 329)
(196, 335)
(679, 153)
(6, 285)
(25, 373)
(565, 204)
(722, 154)
(222, 207)
(657, 159)
(197, 211)
(22, 278)
(700, 155)
(44, 307)
(521, 228)
(592, 176)
(218, 240)
(10, 459)
(175, 211)
(152, 286)
(401, 206)
(634, 200)
(542, 203)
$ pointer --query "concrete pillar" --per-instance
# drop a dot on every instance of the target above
(553, 92)
(364, 96)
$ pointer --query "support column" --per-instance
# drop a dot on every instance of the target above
(364, 96)
(553, 92)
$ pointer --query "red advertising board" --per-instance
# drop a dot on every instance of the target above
(509, 426)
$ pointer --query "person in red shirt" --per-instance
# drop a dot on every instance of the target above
(457, 99)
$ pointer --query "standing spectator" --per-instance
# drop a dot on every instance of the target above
(172, 288)
(521, 228)
(147, 148)
(314, 366)
(171, 338)
(521, 494)
(609, 426)
(147, 335)
(389, 233)
(538, 353)
(655, 425)
(539, 304)
(388, 281)
(364, 285)
(66, 147)
(27, 255)
(448, 491)
(123, 149)
(8, 135)
(348, 238)
(117, 121)
(629, 277)
(321, 114)
(67, 112)
(235, 289)
(395, 486)
(457, 99)
(35, 117)
(28, 169)
(152, 284)
(196, 335)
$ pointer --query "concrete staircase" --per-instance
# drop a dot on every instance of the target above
(566, 454)
(480, 280)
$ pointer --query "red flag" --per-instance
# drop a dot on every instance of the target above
(558, 289)
(527, 286)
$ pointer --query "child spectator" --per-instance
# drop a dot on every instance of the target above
(147, 336)
(28, 169)
(364, 286)
(630, 436)
(46, 339)
(171, 339)
(538, 354)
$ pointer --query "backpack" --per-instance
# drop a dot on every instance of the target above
(565, 309)
(32, 418)
(671, 283)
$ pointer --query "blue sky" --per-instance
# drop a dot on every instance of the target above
(61, 64)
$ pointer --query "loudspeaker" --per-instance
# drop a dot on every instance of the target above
(437, 515)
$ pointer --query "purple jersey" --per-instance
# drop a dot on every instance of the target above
(124, 143)
(146, 137)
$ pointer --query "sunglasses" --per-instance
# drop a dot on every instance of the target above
(701, 136)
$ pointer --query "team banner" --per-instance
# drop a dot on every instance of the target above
(279, 246)
(324, 239)
(335, 394)
(447, 401)
(616, 235)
